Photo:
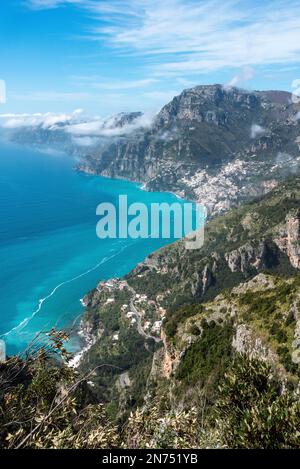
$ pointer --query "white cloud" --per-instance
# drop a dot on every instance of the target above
(86, 128)
(283, 158)
(125, 85)
(256, 130)
(109, 127)
(85, 131)
(47, 120)
(85, 141)
(168, 135)
(241, 78)
(188, 36)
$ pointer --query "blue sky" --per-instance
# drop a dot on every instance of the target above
(107, 56)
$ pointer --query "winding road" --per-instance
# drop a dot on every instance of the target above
(138, 316)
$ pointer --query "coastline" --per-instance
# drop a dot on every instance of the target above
(141, 185)
(59, 242)
(86, 337)
(87, 340)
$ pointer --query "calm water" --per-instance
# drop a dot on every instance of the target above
(50, 255)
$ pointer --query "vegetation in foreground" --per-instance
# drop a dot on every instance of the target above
(46, 404)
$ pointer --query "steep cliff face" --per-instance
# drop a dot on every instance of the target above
(218, 145)
(205, 125)
(208, 134)
(248, 256)
(289, 242)
(247, 342)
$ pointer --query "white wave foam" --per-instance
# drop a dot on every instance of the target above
(25, 321)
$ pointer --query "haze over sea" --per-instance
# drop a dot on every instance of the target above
(50, 256)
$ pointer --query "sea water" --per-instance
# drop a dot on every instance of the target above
(50, 256)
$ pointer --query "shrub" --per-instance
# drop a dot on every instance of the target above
(252, 411)
(194, 330)
(209, 355)
(41, 404)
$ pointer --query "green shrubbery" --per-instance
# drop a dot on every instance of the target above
(194, 330)
(253, 412)
(45, 404)
(272, 312)
(286, 359)
(208, 356)
(42, 404)
(174, 318)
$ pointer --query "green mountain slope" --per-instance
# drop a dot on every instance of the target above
(176, 323)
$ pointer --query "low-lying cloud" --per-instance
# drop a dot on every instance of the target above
(256, 130)
(85, 130)
(297, 116)
(283, 158)
(109, 127)
(85, 141)
(241, 78)
(46, 121)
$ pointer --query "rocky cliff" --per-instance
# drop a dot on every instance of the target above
(218, 145)
(243, 141)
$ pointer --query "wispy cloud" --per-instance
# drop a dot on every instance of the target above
(256, 130)
(84, 129)
(109, 127)
(241, 78)
(124, 85)
(47, 120)
(85, 141)
(188, 36)
(297, 116)
(48, 4)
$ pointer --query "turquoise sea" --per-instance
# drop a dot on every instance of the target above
(50, 255)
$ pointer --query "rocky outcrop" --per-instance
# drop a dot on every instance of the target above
(203, 280)
(169, 358)
(206, 279)
(289, 238)
(293, 238)
(248, 256)
(247, 342)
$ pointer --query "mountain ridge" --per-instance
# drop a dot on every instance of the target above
(214, 144)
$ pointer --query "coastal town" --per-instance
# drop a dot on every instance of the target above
(140, 312)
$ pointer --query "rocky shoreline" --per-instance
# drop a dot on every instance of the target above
(88, 340)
